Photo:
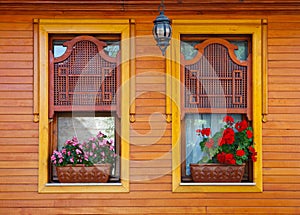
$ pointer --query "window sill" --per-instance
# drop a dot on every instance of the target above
(119, 187)
(217, 187)
(81, 184)
(218, 184)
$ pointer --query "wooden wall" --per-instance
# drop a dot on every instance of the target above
(150, 186)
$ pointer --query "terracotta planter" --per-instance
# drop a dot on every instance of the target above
(99, 173)
(215, 172)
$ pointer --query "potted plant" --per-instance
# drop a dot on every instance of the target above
(85, 162)
(226, 152)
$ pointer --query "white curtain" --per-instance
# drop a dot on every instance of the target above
(199, 121)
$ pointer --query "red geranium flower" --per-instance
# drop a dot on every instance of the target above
(221, 157)
(251, 149)
(240, 152)
(241, 126)
(205, 132)
(198, 131)
(228, 135)
(228, 119)
(249, 134)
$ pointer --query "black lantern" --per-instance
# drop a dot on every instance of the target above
(162, 30)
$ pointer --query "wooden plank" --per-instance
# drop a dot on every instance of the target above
(282, 125)
(105, 210)
(151, 155)
(282, 156)
(5, 72)
(16, 65)
(283, 49)
(18, 164)
(18, 126)
(16, 95)
(152, 148)
(19, 148)
(15, 34)
(284, 87)
(15, 42)
(284, 102)
(150, 133)
(283, 56)
(18, 172)
(16, 87)
(19, 157)
(280, 139)
(284, 41)
(252, 210)
(149, 102)
(284, 64)
(283, 149)
(15, 56)
(19, 133)
(283, 72)
(290, 33)
(18, 179)
(15, 110)
(15, 103)
(16, 49)
(281, 164)
(285, 171)
(15, 118)
(10, 26)
(283, 132)
(284, 95)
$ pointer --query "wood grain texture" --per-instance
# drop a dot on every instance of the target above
(150, 135)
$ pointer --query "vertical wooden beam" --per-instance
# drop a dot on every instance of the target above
(264, 70)
(35, 70)
(168, 85)
(132, 71)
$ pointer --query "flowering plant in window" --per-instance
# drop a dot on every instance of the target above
(94, 151)
(233, 144)
(99, 149)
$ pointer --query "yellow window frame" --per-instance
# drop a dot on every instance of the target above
(44, 27)
(256, 28)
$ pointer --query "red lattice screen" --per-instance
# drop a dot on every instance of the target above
(215, 80)
(84, 78)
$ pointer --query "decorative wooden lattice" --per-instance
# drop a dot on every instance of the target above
(215, 80)
(84, 77)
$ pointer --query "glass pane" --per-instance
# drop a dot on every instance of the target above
(84, 128)
(111, 49)
(199, 121)
(189, 52)
(58, 48)
(242, 51)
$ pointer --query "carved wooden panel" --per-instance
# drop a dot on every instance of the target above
(215, 80)
(84, 77)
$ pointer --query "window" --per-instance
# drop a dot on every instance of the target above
(215, 79)
(82, 92)
(216, 83)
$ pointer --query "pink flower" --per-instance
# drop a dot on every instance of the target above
(209, 143)
(72, 159)
(78, 151)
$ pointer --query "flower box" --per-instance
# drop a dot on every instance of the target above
(216, 172)
(98, 173)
